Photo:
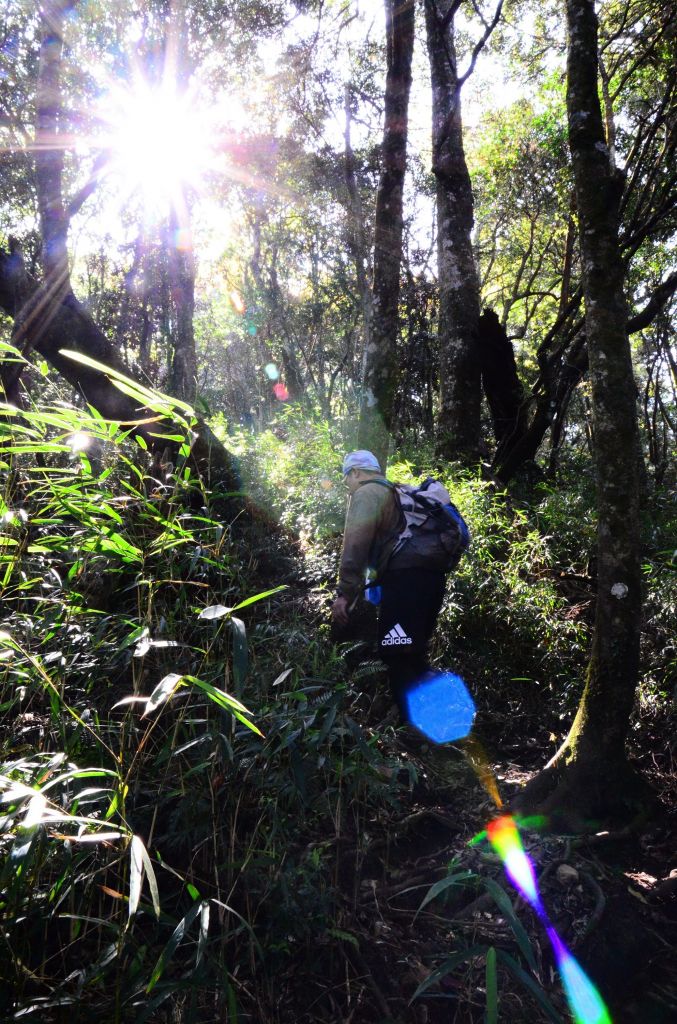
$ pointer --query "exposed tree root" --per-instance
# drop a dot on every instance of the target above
(579, 797)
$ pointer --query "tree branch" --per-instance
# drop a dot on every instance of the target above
(481, 43)
(83, 194)
(660, 297)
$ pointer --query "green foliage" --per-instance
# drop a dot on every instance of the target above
(474, 956)
(188, 756)
(150, 820)
(292, 470)
(505, 621)
(107, 577)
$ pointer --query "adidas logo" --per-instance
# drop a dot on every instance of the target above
(395, 636)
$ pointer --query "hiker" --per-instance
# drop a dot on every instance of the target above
(411, 575)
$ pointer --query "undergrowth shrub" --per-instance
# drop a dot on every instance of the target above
(152, 830)
(189, 791)
(293, 470)
(505, 619)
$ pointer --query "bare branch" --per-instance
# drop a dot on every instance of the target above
(83, 194)
(481, 43)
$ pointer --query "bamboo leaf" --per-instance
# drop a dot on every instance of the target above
(506, 907)
(163, 692)
(129, 700)
(447, 966)
(258, 597)
(136, 851)
(152, 880)
(492, 987)
(171, 947)
(445, 883)
(529, 983)
(240, 653)
(146, 395)
(214, 611)
(204, 931)
(224, 700)
(282, 676)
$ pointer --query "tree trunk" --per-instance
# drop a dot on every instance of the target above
(357, 240)
(49, 148)
(181, 259)
(458, 426)
(51, 325)
(591, 767)
(500, 381)
(380, 377)
(48, 317)
(182, 288)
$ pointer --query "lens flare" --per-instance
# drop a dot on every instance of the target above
(478, 760)
(585, 1002)
(441, 708)
(505, 839)
(587, 1005)
(237, 301)
(79, 441)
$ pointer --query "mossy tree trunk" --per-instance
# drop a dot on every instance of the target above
(458, 423)
(380, 370)
(590, 772)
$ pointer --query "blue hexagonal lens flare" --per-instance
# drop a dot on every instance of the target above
(441, 708)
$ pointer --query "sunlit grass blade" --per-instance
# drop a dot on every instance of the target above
(173, 944)
(204, 932)
(491, 987)
(148, 396)
(240, 653)
(135, 874)
(163, 692)
(224, 700)
(258, 597)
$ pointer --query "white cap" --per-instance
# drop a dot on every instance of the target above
(361, 460)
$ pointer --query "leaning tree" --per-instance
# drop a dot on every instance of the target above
(47, 316)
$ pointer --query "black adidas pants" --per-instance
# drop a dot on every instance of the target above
(410, 603)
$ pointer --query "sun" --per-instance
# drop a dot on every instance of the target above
(159, 141)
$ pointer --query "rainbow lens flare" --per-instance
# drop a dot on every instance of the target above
(505, 839)
(587, 1005)
(441, 708)
(585, 1002)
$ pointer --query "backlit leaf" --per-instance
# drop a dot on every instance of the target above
(136, 851)
(215, 611)
(162, 692)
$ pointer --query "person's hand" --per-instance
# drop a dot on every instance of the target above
(339, 610)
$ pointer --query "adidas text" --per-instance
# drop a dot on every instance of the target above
(395, 636)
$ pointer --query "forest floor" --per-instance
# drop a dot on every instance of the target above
(403, 954)
(612, 896)
(340, 843)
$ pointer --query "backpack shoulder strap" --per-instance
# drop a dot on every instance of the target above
(393, 490)
(381, 483)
